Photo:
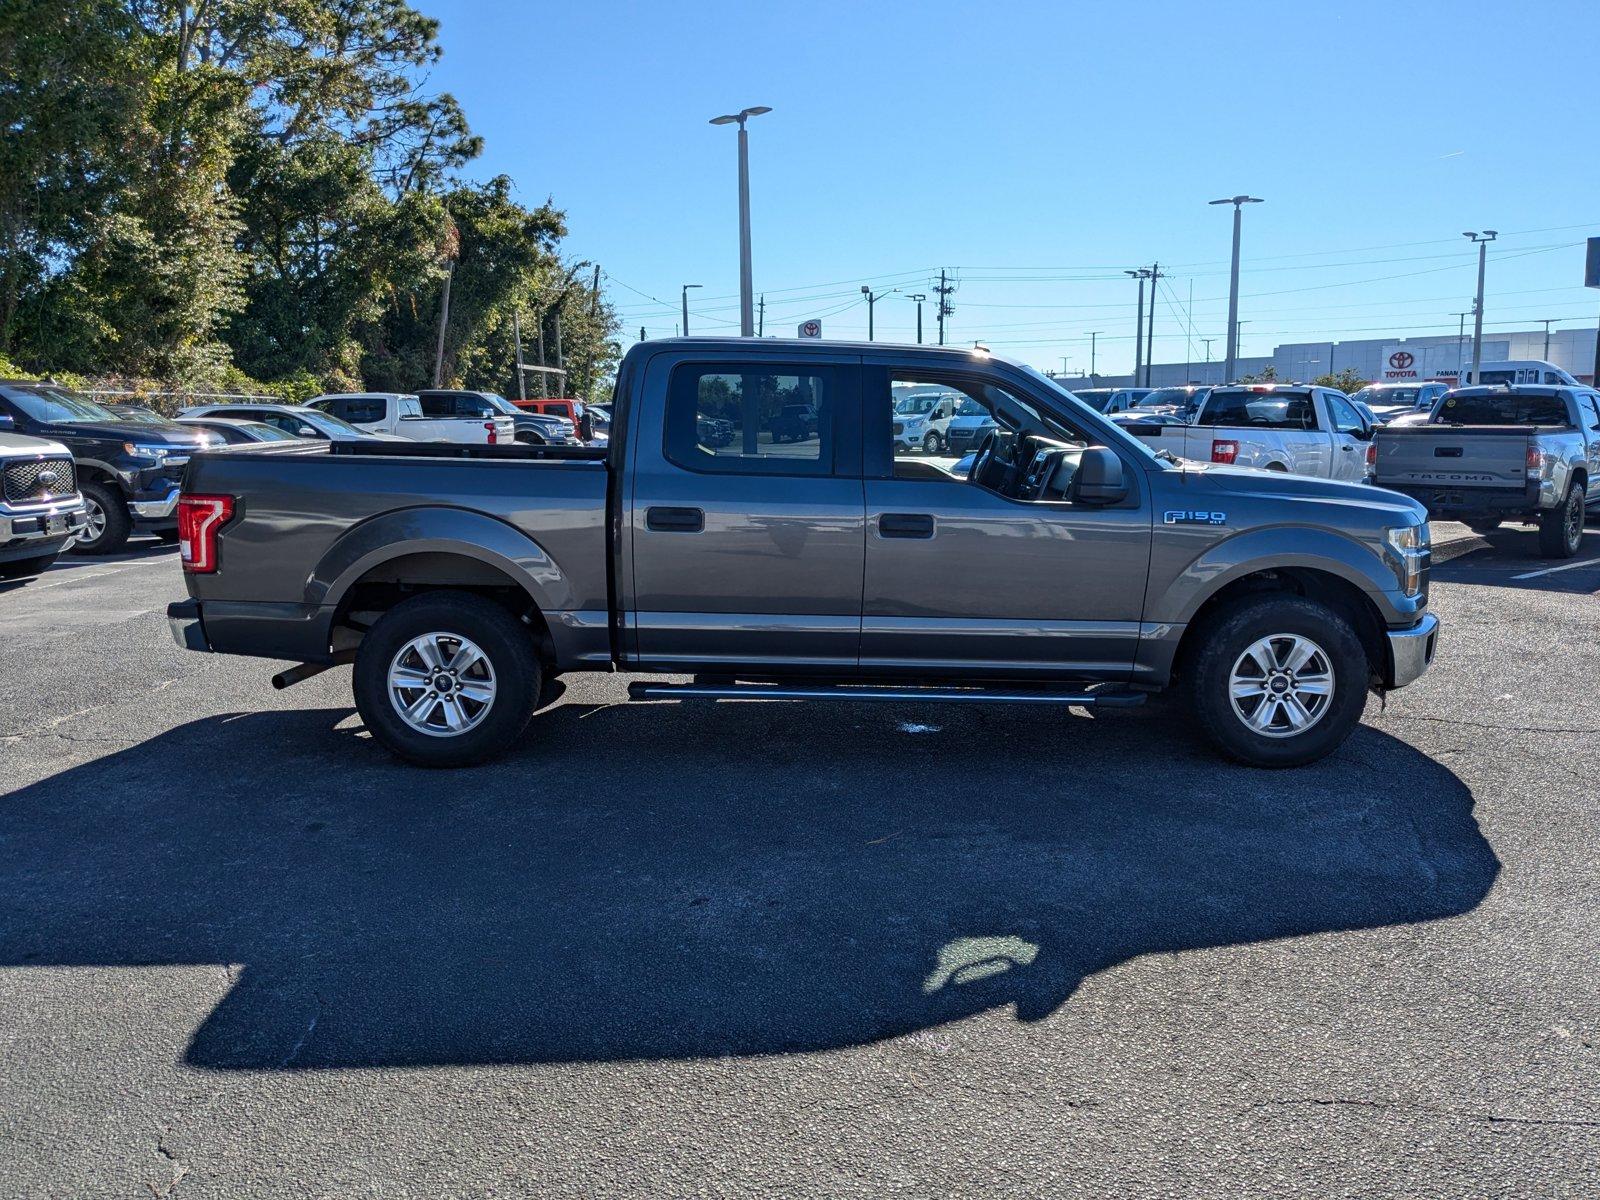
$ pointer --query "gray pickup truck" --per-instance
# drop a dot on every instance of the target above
(1070, 566)
(1523, 452)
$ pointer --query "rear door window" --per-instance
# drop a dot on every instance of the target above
(1262, 410)
(361, 410)
(1345, 418)
(1504, 408)
(760, 419)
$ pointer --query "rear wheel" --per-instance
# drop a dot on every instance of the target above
(1561, 528)
(447, 679)
(108, 525)
(1278, 681)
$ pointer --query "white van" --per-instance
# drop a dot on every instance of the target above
(1520, 370)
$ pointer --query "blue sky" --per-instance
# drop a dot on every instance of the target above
(1037, 149)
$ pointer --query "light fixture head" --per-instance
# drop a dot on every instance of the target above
(756, 110)
(726, 119)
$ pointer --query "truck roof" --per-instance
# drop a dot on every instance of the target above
(818, 345)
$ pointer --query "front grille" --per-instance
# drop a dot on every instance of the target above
(40, 480)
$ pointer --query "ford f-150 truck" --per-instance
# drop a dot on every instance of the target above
(1297, 428)
(1491, 454)
(1071, 566)
(40, 508)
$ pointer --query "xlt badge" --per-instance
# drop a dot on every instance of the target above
(1185, 516)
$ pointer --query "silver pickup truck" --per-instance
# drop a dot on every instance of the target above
(1070, 566)
(1526, 453)
(41, 509)
(1297, 428)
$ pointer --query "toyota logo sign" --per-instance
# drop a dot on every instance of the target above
(1401, 360)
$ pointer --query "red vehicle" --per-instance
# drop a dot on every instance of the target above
(551, 408)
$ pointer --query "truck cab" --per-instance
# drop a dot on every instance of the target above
(402, 415)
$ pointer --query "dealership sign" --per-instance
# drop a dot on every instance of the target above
(1398, 364)
(811, 329)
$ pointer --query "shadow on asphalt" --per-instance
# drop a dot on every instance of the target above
(1497, 558)
(644, 881)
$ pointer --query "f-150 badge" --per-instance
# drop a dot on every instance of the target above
(1184, 516)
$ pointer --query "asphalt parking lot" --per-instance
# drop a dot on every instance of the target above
(767, 949)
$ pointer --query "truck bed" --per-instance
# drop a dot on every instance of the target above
(307, 519)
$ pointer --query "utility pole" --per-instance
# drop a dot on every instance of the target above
(516, 333)
(1208, 342)
(1150, 346)
(561, 363)
(541, 374)
(641, 333)
(943, 292)
(1547, 322)
(1481, 240)
(1461, 345)
(685, 294)
(594, 316)
(761, 318)
(444, 320)
(1094, 335)
(1233, 287)
(1141, 275)
(918, 297)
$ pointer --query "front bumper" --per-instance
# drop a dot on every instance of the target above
(28, 533)
(183, 621)
(155, 508)
(1411, 651)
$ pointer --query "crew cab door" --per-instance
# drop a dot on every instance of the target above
(1351, 436)
(961, 580)
(741, 551)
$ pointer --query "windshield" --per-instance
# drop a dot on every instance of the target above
(501, 405)
(971, 408)
(133, 412)
(57, 406)
(329, 423)
(1109, 436)
(1504, 408)
(1174, 397)
(1398, 395)
(262, 432)
(915, 406)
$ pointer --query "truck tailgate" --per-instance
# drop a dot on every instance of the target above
(1475, 456)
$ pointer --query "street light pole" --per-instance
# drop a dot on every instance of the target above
(918, 297)
(872, 299)
(1150, 345)
(686, 288)
(1238, 203)
(747, 303)
(1141, 275)
(1481, 240)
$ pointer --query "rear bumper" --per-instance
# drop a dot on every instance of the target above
(1411, 651)
(183, 621)
(1446, 501)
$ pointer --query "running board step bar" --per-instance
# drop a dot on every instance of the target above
(641, 690)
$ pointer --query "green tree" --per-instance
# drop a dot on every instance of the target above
(1349, 381)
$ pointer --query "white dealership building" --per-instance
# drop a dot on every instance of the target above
(1390, 358)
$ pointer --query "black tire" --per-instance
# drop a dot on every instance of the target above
(1561, 528)
(108, 503)
(528, 439)
(1223, 641)
(21, 568)
(505, 644)
(932, 443)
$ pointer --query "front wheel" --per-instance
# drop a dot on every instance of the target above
(108, 525)
(1561, 528)
(1277, 682)
(447, 679)
(932, 444)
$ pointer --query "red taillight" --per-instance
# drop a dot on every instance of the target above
(1372, 454)
(1224, 452)
(494, 436)
(199, 518)
(1535, 460)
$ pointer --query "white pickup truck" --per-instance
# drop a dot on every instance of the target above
(402, 415)
(1298, 428)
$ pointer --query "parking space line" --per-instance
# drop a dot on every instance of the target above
(1588, 562)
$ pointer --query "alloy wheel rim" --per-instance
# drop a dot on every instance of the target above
(441, 684)
(94, 526)
(1281, 685)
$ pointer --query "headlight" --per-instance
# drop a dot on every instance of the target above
(1409, 546)
(153, 453)
(915, 423)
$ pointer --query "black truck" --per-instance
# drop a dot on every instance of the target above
(128, 466)
(1070, 565)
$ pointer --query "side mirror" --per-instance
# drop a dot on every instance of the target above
(7, 421)
(1099, 479)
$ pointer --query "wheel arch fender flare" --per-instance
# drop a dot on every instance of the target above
(439, 529)
(1284, 547)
